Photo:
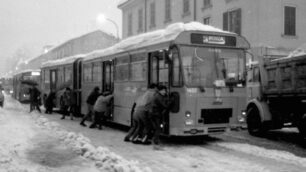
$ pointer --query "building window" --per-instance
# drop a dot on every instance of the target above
(140, 20)
(206, 20)
(130, 24)
(289, 21)
(232, 21)
(152, 14)
(167, 11)
(207, 4)
(186, 7)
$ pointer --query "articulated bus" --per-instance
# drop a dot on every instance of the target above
(21, 90)
(59, 74)
(202, 67)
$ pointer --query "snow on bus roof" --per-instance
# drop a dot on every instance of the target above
(27, 70)
(63, 61)
(154, 37)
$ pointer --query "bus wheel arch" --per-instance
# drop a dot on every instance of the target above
(256, 117)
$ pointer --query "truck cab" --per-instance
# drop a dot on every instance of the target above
(276, 90)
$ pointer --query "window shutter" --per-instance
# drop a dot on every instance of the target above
(225, 21)
(238, 22)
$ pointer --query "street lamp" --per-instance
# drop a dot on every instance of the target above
(101, 19)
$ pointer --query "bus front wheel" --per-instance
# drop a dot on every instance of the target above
(254, 123)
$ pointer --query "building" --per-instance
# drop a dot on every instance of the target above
(273, 27)
(80, 45)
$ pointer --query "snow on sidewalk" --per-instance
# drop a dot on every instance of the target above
(103, 158)
(278, 155)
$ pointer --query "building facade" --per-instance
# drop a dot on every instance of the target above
(273, 27)
(80, 45)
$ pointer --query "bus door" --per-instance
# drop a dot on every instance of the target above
(159, 74)
(77, 82)
(53, 79)
(108, 84)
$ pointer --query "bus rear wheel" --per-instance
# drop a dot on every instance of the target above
(254, 123)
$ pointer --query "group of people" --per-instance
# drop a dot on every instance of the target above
(99, 107)
(147, 114)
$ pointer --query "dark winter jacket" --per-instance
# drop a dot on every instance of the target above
(159, 104)
(49, 100)
(34, 94)
(91, 99)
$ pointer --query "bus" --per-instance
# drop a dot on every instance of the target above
(202, 67)
(20, 89)
(60, 74)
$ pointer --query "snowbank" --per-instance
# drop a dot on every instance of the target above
(104, 159)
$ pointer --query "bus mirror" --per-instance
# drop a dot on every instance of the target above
(175, 102)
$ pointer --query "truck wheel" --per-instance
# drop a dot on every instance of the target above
(254, 121)
(302, 126)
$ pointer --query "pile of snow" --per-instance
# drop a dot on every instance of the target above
(299, 51)
(283, 156)
(104, 159)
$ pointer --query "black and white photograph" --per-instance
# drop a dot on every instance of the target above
(152, 85)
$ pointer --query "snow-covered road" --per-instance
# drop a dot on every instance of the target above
(46, 143)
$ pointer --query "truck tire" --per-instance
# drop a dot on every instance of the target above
(302, 126)
(254, 123)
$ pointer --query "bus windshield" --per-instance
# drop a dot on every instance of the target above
(203, 66)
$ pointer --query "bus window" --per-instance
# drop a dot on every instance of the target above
(176, 74)
(47, 77)
(138, 67)
(87, 72)
(122, 68)
(163, 70)
(68, 74)
(97, 72)
(53, 76)
(159, 69)
(108, 76)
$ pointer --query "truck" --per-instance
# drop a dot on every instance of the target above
(276, 90)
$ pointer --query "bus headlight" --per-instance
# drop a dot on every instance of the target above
(11, 91)
(189, 122)
(188, 114)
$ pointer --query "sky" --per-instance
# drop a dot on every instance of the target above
(29, 25)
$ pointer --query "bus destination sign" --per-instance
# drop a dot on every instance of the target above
(213, 39)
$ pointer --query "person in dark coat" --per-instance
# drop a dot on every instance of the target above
(91, 99)
(67, 103)
(49, 102)
(158, 109)
(141, 125)
(34, 98)
(100, 108)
